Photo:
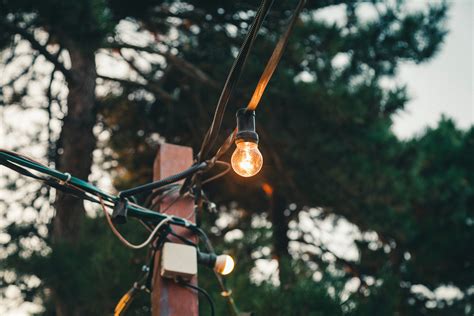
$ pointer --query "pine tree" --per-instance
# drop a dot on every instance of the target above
(325, 135)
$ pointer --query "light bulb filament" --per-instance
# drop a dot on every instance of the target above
(247, 159)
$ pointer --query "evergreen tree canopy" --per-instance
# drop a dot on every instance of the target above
(331, 159)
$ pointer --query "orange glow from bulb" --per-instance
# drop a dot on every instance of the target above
(246, 159)
(224, 264)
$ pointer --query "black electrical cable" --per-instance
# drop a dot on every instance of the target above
(210, 249)
(227, 168)
(264, 79)
(21, 170)
(212, 133)
(191, 181)
(65, 181)
(274, 59)
(204, 238)
(232, 80)
(48, 181)
(143, 283)
(86, 190)
(160, 183)
(203, 292)
(160, 193)
(83, 189)
(184, 240)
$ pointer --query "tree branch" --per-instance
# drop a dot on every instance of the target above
(152, 88)
(39, 47)
(183, 65)
(351, 267)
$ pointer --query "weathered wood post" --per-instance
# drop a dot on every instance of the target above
(167, 297)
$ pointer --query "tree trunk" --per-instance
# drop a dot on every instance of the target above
(78, 143)
(280, 239)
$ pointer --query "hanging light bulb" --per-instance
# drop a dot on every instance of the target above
(222, 264)
(246, 159)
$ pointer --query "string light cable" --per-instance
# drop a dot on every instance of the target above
(163, 188)
(125, 241)
(267, 73)
(79, 187)
(201, 291)
(68, 183)
(64, 180)
(274, 59)
(232, 79)
(142, 284)
(82, 189)
(127, 299)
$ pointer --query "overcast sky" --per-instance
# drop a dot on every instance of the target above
(443, 85)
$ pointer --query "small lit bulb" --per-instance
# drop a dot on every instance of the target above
(224, 264)
(246, 159)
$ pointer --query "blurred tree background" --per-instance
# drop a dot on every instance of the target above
(345, 218)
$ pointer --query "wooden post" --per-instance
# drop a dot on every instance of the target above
(167, 297)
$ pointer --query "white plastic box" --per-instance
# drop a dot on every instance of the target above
(178, 260)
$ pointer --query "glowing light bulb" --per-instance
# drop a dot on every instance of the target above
(224, 264)
(246, 159)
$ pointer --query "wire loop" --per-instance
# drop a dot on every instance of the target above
(68, 178)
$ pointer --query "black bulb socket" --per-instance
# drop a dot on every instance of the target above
(207, 259)
(246, 126)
